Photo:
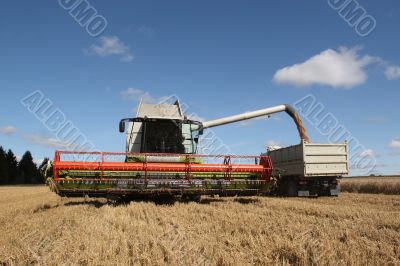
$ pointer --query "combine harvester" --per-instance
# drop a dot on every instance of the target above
(161, 161)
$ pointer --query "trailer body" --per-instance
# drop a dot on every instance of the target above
(310, 169)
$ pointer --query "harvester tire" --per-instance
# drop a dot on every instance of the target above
(189, 198)
(164, 200)
(195, 198)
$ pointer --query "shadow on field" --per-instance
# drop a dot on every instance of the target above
(45, 207)
(238, 200)
(210, 200)
(94, 203)
(246, 200)
(166, 201)
(119, 202)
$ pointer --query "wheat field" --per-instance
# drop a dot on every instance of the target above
(388, 185)
(40, 228)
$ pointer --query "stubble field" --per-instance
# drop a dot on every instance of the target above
(38, 227)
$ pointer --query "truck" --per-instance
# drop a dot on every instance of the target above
(309, 169)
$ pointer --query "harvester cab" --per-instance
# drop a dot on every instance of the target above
(161, 128)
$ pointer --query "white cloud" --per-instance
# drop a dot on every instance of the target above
(111, 45)
(135, 94)
(8, 130)
(395, 143)
(367, 153)
(138, 94)
(340, 69)
(392, 72)
(44, 141)
(273, 145)
(344, 68)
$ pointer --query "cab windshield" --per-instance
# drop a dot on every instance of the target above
(166, 136)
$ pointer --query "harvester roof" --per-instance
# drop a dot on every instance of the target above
(161, 110)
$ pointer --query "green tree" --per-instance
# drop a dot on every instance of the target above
(3, 167)
(12, 167)
(27, 169)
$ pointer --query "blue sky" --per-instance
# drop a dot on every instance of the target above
(219, 57)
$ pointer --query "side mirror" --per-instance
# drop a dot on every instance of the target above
(122, 126)
(196, 139)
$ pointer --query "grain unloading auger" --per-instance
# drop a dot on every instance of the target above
(161, 160)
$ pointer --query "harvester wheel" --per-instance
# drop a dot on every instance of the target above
(189, 198)
(113, 199)
(164, 200)
(195, 198)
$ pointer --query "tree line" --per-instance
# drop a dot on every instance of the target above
(24, 171)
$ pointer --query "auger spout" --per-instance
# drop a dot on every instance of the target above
(262, 112)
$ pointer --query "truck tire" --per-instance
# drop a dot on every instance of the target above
(291, 189)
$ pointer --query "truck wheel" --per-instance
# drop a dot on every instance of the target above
(292, 189)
